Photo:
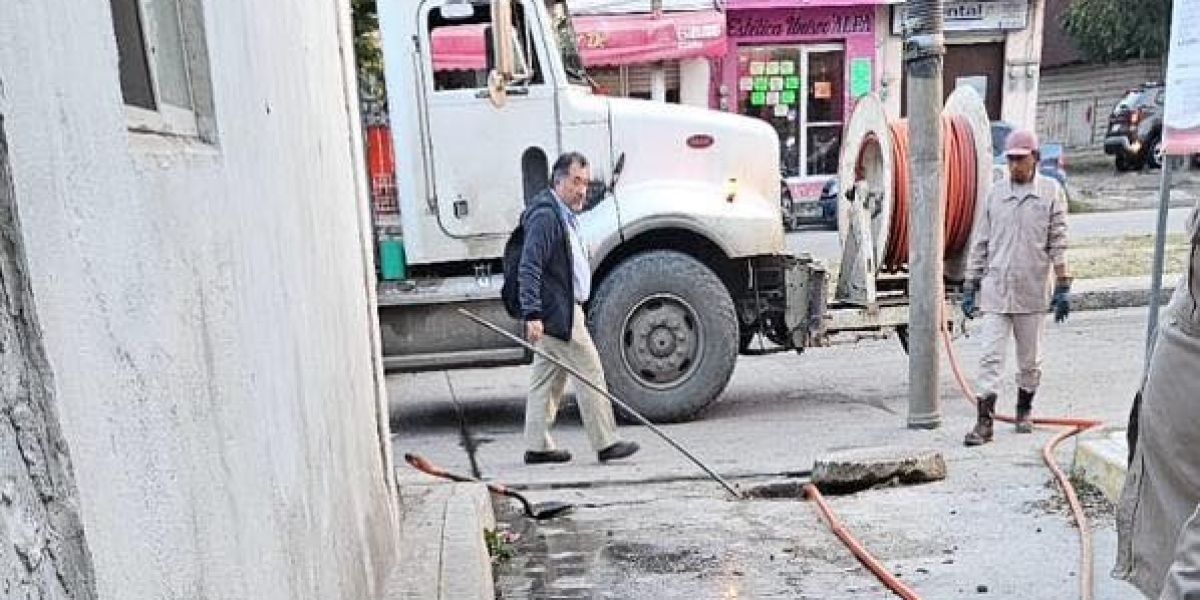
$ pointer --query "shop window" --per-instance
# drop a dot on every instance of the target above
(636, 81)
(460, 48)
(162, 62)
(799, 91)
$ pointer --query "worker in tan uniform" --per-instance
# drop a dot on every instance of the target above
(1019, 239)
(1158, 520)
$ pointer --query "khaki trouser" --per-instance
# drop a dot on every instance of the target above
(548, 382)
(1028, 329)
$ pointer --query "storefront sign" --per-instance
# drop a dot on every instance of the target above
(798, 25)
(994, 15)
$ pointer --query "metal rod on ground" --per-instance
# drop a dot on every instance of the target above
(924, 48)
(579, 377)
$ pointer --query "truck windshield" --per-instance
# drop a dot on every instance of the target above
(565, 32)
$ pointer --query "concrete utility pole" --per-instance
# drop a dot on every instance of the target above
(924, 48)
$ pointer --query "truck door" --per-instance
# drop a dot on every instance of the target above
(486, 159)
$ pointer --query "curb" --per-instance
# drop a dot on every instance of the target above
(1104, 294)
(1100, 459)
(443, 554)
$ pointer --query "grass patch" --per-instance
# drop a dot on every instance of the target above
(1125, 256)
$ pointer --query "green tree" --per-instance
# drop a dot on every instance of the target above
(369, 57)
(1116, 30)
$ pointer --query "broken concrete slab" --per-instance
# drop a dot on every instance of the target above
(855, 469)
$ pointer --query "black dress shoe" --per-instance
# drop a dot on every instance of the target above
(537, 457)
(618, 450)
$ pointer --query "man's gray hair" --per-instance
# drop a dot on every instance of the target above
(562, 166)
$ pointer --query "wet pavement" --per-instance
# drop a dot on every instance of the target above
(652, 527)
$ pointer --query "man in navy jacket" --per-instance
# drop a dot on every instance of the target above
(555, 279)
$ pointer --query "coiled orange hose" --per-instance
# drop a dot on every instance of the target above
(958, 189)
(958, 195)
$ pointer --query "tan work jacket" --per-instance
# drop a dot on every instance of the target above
(1018, 236)
(1158, 525)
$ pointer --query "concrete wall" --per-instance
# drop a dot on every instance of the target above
(695, 76)
(1022, 57)
(207, 307)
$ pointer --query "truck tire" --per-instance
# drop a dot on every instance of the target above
(667, 333)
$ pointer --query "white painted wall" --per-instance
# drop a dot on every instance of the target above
(207, 308)
(1022, 58)
(694, 77)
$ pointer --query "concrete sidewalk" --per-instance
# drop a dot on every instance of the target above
(1101, 459)
(444, 554)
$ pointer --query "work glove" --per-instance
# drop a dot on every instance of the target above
(970, 288)
(1060, 303)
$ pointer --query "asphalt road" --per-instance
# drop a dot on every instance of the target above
(824, 244)
(652, 527)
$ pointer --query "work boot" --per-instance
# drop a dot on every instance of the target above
(982, 433)
(1024, 407)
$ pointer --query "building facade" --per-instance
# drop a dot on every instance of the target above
(190, 198)
(799, 66)
(666, 56)
(993, 46)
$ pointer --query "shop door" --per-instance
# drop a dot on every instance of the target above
(980, 66)
(800, 92)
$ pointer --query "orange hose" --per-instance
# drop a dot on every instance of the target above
(896, 252)
(891, 581)
(958, 189)
(1070, 427)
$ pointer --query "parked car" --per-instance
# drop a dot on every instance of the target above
(1134, 134)
(1052, 161)
(810, 211)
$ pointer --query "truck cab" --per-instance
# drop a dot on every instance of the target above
(682, 222)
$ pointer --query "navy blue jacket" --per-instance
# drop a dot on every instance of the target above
(544, 275)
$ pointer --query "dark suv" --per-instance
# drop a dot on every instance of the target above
(1135, 128)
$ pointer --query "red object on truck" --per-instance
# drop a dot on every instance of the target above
(381, 169)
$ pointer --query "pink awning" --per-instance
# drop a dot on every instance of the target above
(629, 39)
(745, 4)
(459, 47)
(603, 40)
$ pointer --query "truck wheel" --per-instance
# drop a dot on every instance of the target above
(667, 334)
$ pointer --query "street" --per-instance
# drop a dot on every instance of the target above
(825, 245)
(653, 527)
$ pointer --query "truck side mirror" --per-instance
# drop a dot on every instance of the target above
(506, 64)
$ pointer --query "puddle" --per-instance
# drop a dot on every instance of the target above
(567, 559)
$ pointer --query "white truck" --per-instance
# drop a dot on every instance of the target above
(683, 221)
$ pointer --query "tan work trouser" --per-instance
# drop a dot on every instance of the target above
(548, 382)
(1028, 329)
